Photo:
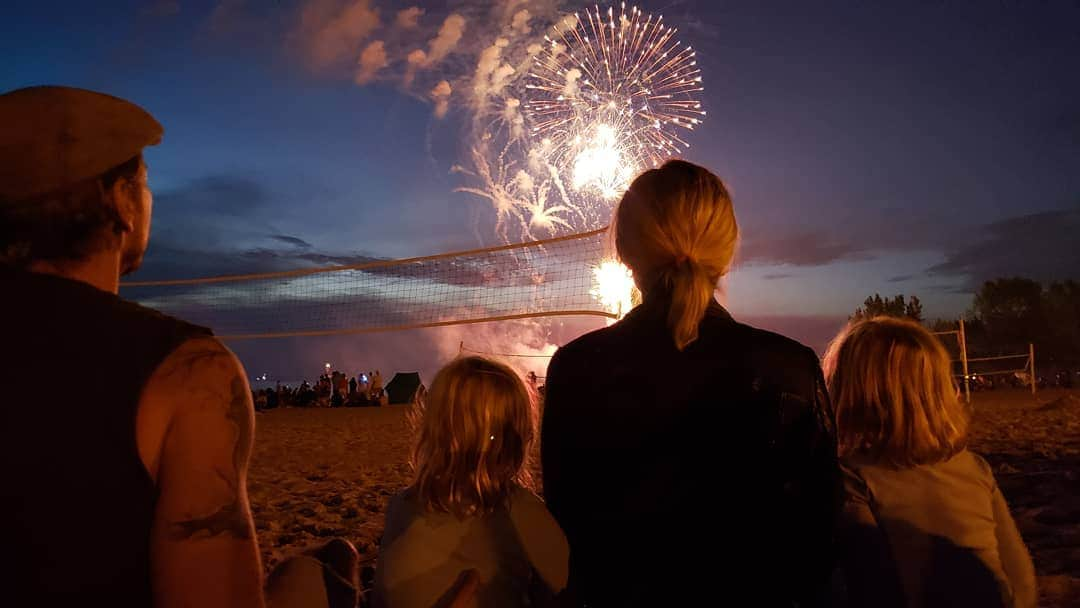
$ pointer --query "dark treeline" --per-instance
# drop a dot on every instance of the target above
(1005, 316)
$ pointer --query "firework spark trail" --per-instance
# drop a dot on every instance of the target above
(608, 97)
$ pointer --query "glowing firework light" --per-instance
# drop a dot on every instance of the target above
(609, 96)
(613, 287)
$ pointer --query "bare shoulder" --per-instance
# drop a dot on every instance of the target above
(201, 373)
(203, 377)
(198, 361)
(206, 444)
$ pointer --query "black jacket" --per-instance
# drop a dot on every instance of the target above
(701, 477)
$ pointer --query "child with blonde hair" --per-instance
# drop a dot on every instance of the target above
(924, 522)
(471, 506)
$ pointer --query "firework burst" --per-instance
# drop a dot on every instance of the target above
(611, 94)
(613, 287)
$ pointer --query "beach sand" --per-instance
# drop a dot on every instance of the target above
(1033, 444)
(320, 473)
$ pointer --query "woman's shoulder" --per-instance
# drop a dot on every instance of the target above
(771, 347)
(585, 344)
(773, 363)
(718, 331)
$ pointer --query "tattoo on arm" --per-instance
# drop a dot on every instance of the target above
(232, 518)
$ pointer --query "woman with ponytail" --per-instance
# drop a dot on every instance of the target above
(681, 440)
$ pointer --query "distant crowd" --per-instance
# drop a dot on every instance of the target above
(335, 389)
(338, 389)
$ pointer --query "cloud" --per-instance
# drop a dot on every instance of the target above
(800, 249)
(1041, 246)
(194, 223)
(331, 31)
(901, 278)
(864, 234)
(777, 276)
(441, 96)
(950, 289)
(291, 240)
(813, 331)
(213, 226)
(409, 18)
(230, 195)
(372, 60)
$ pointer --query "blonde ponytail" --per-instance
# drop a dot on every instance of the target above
(691, 291)
(675, 228)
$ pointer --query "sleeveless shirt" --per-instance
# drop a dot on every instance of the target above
(76, 502)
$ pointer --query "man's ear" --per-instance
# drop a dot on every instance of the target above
(123, 195)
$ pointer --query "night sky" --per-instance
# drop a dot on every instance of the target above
(895, 147)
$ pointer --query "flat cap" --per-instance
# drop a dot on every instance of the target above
(54, 137)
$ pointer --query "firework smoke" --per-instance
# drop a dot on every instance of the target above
(372, 60)
(409, 18)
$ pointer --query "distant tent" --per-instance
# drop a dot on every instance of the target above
(404, 388)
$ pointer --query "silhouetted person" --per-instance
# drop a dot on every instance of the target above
(377, 384)
(686, 454)
(341, 384)
(134, 494)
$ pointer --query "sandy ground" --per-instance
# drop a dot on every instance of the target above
(323, 473)
(1033, 443)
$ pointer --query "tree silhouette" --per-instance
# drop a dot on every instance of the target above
(897, 306)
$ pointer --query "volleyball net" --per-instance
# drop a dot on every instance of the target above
(552, 277)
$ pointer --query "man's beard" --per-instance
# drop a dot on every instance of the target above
(130, 261)
(131, 258)
(130, 264)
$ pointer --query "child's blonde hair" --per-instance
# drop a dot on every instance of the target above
(475, 432)
(896, 403)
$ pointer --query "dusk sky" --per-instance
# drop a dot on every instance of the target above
(895, 147)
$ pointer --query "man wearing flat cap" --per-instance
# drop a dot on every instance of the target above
(131, 489)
